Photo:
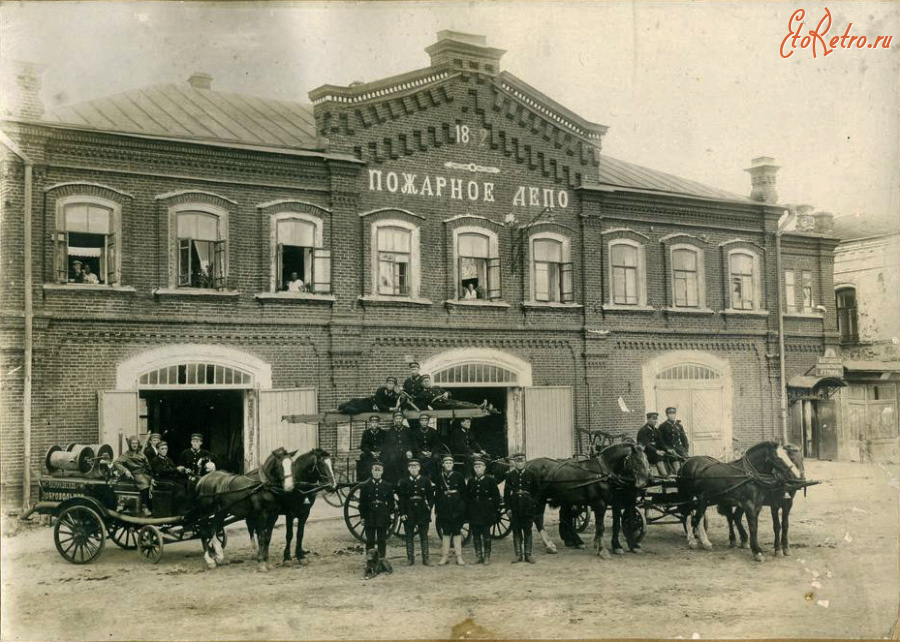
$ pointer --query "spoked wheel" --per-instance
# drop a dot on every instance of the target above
(338, 496)
(582, 515)
(80, 534)
(150, 544)
(352, 518)
(503, 526)
(640, 524)
(123, 535)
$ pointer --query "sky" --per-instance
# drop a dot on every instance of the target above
(696, 89)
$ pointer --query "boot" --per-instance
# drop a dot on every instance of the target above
(457, 546)
(445, 550)
(479, 551)
(487, 550)
(529, 541)
(425, 552)
(410, 550)
(517, 546)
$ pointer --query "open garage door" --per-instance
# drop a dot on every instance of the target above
(549, 427)
(118, 414)
(273, 405)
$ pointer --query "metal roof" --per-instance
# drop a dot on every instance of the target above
(182, 111)
(860, 226)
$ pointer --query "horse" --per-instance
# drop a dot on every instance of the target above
(311, 473)
(613, 478)
(779, 500)
(220, 494)
(744, 483)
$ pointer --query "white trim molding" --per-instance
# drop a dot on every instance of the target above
(128, 372)
(641, 274)
(414, 280)
(485, 356)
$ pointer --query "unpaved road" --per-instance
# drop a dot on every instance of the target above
(844, 536)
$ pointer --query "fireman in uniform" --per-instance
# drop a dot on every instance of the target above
(152, 447)
(520, 496)
(189, 461)
(463, 445)
(134, 465)
(450, 509)
(387, 398)
(673, 439)
(648, 437)
(395, 448)
(162, 465)
(423, 443)
(416, 495)
(370, 446)
(376, 507)
(482, 506)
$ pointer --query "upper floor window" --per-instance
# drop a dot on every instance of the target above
(202, 250)
(626, 273)
(807, 290)
(395, 255)
(551, 269)
(790, 291)
(478, 265)
(688, 288)
(301, 264)
(845, 300)
(743, 271)
(86, 250)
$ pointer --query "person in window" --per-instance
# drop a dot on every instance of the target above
(471, 292)
(295, 284)
(77, 273)
(90, 277)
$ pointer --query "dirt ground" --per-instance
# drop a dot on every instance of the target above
(844, 538)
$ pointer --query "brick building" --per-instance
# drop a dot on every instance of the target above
(599, 288)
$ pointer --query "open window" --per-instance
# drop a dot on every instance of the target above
(202, 250)
(744, 279)
(477, 265)
(301, 263)
(551, 265)
(395, 254)
(86, 246)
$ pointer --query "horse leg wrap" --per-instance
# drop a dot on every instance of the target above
(549, 546)
(210, 562)
(220, 552)
(701, 531)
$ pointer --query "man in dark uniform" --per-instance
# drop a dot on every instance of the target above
(152, 447)
(370, 447)
(387, 398)
(520, 496)
(450, 509)
(413, 382)
(416, 495)
(673, 439)
(462, 443)
(395, 448)
(423, 443)
(482, 504)
(163, 467)
(376, 506)
(189, 461)
(133, 465)
(648, 437)
(435, 398)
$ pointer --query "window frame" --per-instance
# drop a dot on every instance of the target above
(640, 274)
(319, 254)
(806, 285)
(493, 263)
(565, 267)
(850, 337)
(60, 237)
(756, 278)
(222, 246)
(790, 292)
(700, 258)
(414, 258)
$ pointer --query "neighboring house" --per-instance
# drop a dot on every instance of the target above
(599, 285)
(867, 303)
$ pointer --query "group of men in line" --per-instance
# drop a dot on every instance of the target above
(665, 445)
(151, 463)
(455, 502)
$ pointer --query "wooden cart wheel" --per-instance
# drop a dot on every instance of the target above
(352, 518)
(150, 544)
(338, 496)
(123, 535)
(503, 526)
(582, 517)
(79, 534)
(640, 524)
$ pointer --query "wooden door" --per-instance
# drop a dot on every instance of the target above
(826, 429)
(118, 417)
(273, 404)
(698, 393)
(549, 425)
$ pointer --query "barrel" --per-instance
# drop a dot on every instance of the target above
(102, 451)
(79, 459)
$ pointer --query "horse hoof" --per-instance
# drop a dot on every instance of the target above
(785, 551)
(758, 557)
(223, 562)
(303, 562)
(637, 551)
(211, 565)
(580, 547)
(604, 554)
(692, 545)
(618, 551)
(262, 568)
(707, 546)
(732, 544)
(743, 544)
(551, 551)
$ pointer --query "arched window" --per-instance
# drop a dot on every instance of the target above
(745, 285)
(301, 264)
(688, 281)
(395, 258)
(845, 300)
(551, 268)
(477, 264)
(86, 247)
(626, 269)
(202, 251)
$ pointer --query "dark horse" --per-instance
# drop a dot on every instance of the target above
(311, 472)
(779, 500)
(745, 483)
(221, 494)
(613, 478)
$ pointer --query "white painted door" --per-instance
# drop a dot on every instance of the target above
(701, 411)
(549, 425)
(118, 417)
(273, 405)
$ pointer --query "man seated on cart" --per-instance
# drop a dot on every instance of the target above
(463, 445)
(424, 442)
(387, 397)
(189, 462)
(133, 465)
(395, 448)
(432, 397)
(674, 440)
(370, 446)
(648, 437)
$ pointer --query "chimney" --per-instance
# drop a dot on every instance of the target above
(824, 222)
(20, 90)
(200, 80)
(465, 51)
(762, 172)
(805, 221)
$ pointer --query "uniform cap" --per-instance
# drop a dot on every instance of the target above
(375, 417)
(413, 364)
(155, 434)
(196, 435)
(398, 413)
(671, 409)
(413, 461)
(446, 457)
(77, 263)
(162, 443)
(423, 416)
(517, 456)
(392, 379)
(652, 415)
(377, 463)
(478, 460)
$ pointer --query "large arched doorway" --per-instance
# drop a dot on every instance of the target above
(699, 386)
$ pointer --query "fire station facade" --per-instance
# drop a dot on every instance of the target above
(240, 259)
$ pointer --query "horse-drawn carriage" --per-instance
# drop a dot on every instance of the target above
(91, 502)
